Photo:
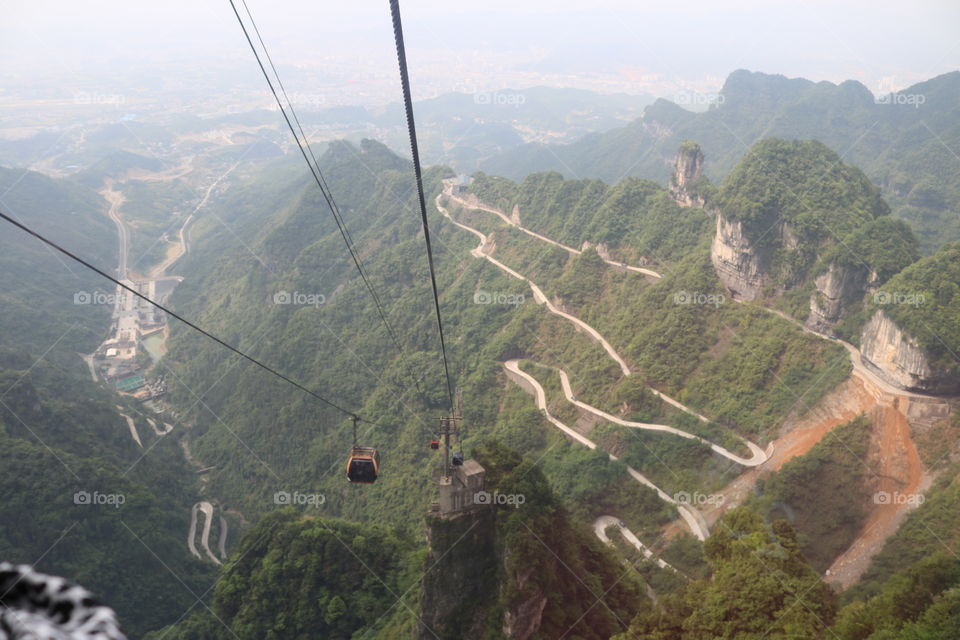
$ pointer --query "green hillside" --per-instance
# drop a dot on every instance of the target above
(296, 576)
(61, 435)
(924, 300)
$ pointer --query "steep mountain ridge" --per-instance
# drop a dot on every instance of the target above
(900, 140)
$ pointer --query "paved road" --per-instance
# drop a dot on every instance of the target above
(448, 186)
(184, 238)
(601, 525)
(860, 369)
(88, 358)
(538, 295)
(207, 510)
(115, 198)
(758, 457)
(133, 427)
(694, 520)
(540, 298)
(167, 428)
(223, 537)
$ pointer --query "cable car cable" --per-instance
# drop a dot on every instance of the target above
(193, 326)
(412, 129)
(315, 171)
(324, 188)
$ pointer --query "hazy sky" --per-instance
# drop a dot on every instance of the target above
(644, 44)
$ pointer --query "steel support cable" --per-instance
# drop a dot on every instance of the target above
(72, 256)
(412, 129)
(316, 173)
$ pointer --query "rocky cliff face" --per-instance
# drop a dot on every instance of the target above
(837, 287)
(899, 359)
(523, 619)
(459, 586)
(687, 171)
(743, 268)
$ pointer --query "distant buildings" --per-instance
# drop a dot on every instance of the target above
(133, 320)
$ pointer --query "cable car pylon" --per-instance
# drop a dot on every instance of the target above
(450, 426)
(461, 481)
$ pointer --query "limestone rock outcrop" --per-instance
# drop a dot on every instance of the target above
(687, 172)
(836, 289)
(900, 360)
(740, 265)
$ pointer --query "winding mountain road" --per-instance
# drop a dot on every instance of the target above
(848, 566)
(600, 527)
(224, 527)
(860, 368)
(167, 427)
(538, 295)
(691, 516)
(759, 455)
(476, 204)
(132, 426)
(183, 246)
(207, 510)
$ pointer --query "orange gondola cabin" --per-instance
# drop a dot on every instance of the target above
(363, 467)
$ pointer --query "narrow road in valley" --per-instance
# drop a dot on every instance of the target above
(183, 245)
(192, 535)
(167, 428)
(115, 199)
(207, 510)
(601, 525)
(176, 252)
(694, 520)
(133, 427)
(88, 358)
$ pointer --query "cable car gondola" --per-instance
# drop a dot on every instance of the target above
(363, 466)
(434, 444)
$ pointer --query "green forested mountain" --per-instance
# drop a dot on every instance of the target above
(262, 437)
(297, 576)
(635, 216)
(761, 588)
(62, 435)
(902, 142)
(267, 272)
(831, 215)
(929, 291)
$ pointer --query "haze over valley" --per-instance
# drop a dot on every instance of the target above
(653, 333)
